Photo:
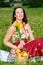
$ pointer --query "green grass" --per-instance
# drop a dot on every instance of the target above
(35, 19)
(28, 63)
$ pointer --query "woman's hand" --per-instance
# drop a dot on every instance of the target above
(15, 47)
(13, 51)
(22, 42)
(20, 46)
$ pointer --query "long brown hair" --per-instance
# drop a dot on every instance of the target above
(14, 18)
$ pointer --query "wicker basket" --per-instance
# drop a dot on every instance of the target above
(21, 60)
(21, 56)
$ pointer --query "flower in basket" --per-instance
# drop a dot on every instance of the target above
(22, 53)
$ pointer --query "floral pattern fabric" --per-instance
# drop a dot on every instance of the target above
(20, 33)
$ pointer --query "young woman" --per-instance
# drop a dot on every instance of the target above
(20, 32)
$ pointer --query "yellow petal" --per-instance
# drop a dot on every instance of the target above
(25, 54)
(20, 25)
(18, 50)
(15, 23)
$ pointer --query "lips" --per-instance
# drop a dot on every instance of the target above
(20, 16)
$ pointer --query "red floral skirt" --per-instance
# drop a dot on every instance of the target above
(34, 48)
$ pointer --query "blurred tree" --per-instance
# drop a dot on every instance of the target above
(4, 3)
(25, 2)
(36, 3)
(11, 1)
(17, 2)
(33, 3)
(1, 1)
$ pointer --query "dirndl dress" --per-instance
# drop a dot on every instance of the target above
(34, 48)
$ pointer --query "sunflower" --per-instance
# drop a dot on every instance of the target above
(18, 24)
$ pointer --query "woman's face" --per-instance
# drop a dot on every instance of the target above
(19, 13)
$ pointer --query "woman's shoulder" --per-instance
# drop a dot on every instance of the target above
(12, 27)
(14, 24)
(26, 25)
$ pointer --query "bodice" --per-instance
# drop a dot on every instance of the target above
(20, 33)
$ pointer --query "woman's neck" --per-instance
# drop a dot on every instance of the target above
(19, 20)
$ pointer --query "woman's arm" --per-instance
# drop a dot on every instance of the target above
(30, 32)
(8, 35)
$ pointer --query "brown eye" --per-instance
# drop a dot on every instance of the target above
(17, 12)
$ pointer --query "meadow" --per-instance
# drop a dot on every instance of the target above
(35, 19)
